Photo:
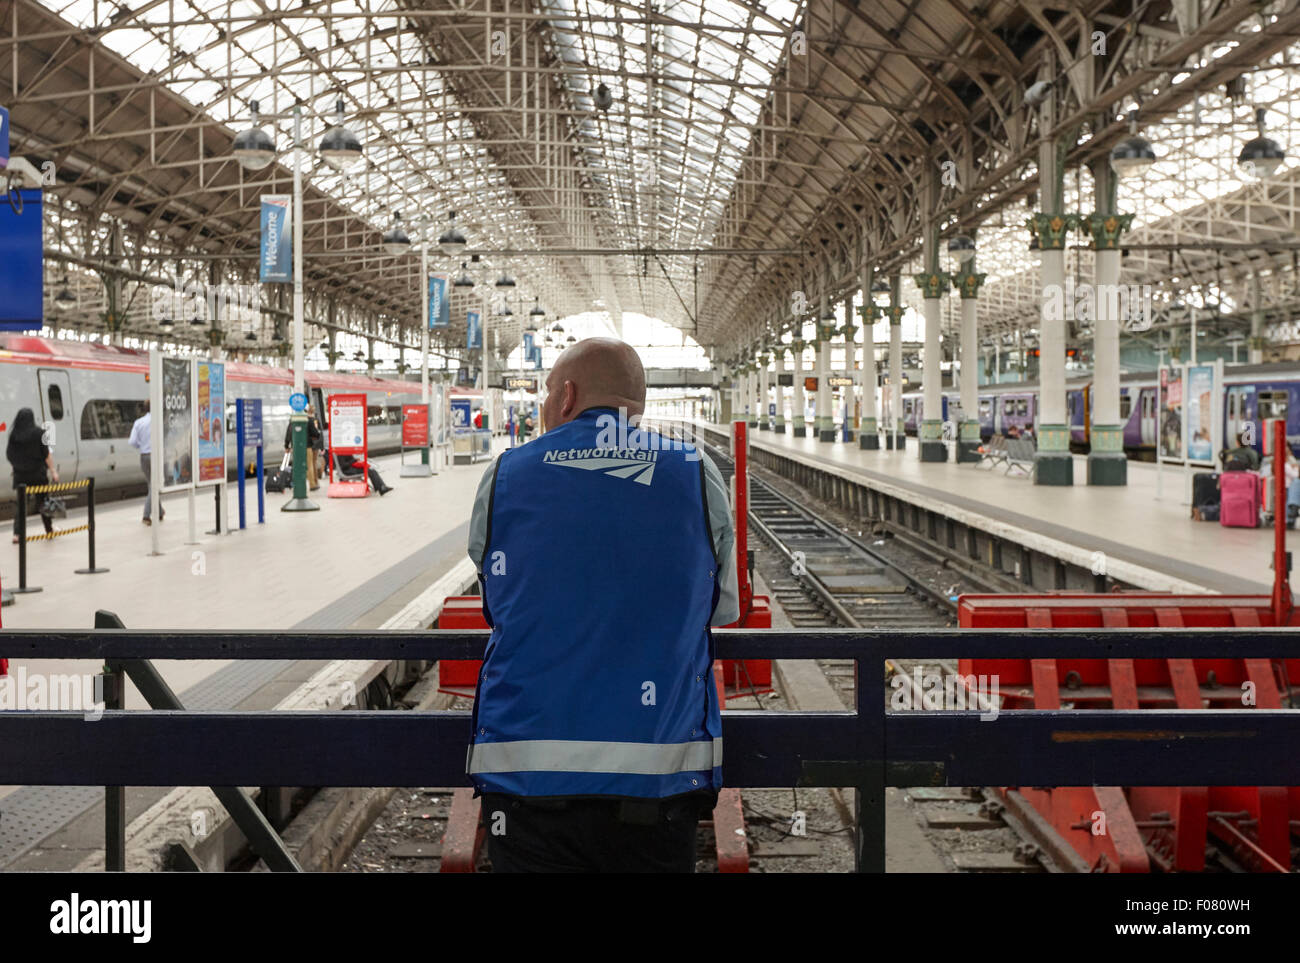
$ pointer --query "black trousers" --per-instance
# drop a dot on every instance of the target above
(34, 502)
(591, 835)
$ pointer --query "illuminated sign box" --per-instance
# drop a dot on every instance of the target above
(521, 384)
(839, 381)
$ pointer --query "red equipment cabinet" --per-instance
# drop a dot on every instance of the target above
(1154, 827)
(461, 612)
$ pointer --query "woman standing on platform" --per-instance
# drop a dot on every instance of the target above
(32, 462)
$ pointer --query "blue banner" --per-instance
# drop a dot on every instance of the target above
(439, 303)
(537, 355)
(277, 238)
(474, 330)
(22, 308)
(4, 137)
(528, 345)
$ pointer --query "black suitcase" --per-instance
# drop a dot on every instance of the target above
(281, 478)
(1205, 489)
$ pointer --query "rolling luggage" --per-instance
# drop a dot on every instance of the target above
(1241, 494)
(1205, 489)
(281, 478)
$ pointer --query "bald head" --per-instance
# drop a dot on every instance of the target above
(594, 372)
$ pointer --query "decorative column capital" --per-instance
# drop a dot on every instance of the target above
(932, 283)
(215, 337)
(968, 283)
(895, 313)
(1105, 229)
(1052, 229)
(870, 313)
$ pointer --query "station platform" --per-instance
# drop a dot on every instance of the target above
(356, 563)
(1143, 530)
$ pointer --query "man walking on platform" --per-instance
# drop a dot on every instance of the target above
(142, 441)
(604, 552)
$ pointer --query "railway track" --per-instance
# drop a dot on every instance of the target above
(823, 576)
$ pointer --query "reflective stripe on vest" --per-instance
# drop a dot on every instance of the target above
(551, 755)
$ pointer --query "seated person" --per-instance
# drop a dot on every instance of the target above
(1240, 458)
(347, 465)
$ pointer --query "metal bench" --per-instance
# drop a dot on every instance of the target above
(994, 453)
(1020, 455)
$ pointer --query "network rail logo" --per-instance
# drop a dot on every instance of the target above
(638, 466)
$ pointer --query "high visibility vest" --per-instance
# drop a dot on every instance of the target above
(599, 581)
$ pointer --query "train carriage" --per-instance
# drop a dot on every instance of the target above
(90, 395)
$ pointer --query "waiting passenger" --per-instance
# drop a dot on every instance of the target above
(142, 441)
(32, 462)
(603, 558)
(1241, 458)
(347, 465)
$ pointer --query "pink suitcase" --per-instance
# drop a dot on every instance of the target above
(1241, 494)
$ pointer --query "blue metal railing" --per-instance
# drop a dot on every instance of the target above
(867, 748)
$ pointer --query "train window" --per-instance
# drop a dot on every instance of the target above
(56, 401)
(105, 418)
(1008, 406)
(986, 408)
(1125, 406)
(374, 414)
(1022, 406)
(1272, 404)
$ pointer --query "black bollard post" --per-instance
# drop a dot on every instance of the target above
(22, 542)
(90, 528)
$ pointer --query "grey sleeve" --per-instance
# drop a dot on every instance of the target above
(724, 544)
(478, 519)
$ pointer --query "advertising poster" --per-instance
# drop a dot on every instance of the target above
(1200, 413)
(460, 413)
(178, 423)
(415, 426)
(473, 330)
(347, 424)
(1171, 412)
(211, 410)
(277, 238)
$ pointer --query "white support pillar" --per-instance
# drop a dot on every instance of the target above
(825, 421)
(799, 404)
(896, 437)
(931, 445)
(1107, 463)
(778, 358)
(968, 282)
(764, 364)
(1052, 464)
(868, 425)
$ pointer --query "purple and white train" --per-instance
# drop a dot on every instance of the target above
(1253, 394)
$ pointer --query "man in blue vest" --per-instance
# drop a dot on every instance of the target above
(604, 554)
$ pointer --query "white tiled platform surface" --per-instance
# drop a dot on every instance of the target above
(1149, 537)
(353, 564)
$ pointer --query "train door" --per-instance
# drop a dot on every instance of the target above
(1147, 417)
(57, 415)
(1235, 414)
